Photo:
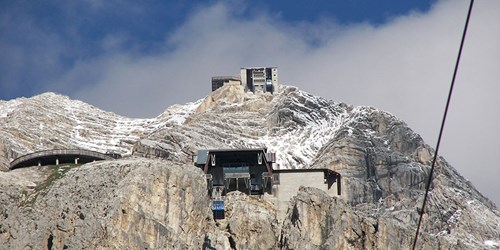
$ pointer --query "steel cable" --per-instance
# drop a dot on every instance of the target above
(429, 182)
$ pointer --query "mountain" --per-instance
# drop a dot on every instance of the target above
(51, 121)
(147, 201)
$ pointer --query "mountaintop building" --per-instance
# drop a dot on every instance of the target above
(259, 79)
(254, 79)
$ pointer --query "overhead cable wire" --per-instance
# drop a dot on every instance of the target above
(429, 181)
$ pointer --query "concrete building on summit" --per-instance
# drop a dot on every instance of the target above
(255, 79)
(259, 79)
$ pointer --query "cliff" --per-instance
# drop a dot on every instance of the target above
(155, 198)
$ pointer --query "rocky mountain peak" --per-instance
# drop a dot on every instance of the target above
(383, 163)
(233, 95)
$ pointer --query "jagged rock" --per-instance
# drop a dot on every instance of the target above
(126, 203)
(317, 221)
(134, 203)
(150, 149)
(233, 94)
(250, 221)
(51, 121)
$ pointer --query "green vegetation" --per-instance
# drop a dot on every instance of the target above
(56, 172)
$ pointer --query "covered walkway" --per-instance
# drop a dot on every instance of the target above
(60, 156)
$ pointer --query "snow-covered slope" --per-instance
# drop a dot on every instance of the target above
(292, 123)
(383, 163)
(50, 121)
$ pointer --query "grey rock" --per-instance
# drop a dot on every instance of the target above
(162, 202)
(317, 221)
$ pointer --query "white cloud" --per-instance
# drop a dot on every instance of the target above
(404, 67)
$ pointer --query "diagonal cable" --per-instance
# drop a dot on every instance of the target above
(429, 181)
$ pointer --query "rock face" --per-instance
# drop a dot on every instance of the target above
(317, 221)
(155, 198)
(105, 205)
(134, 203)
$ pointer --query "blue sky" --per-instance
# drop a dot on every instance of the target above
(138, 59)
(83, 30)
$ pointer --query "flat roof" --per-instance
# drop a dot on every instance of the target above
(203, 153)
(303, 170)
(261, 67)
(233, 150)
(225, 78)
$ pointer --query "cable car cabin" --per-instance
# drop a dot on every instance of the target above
(245, 170)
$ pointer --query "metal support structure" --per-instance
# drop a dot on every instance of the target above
(339, 186)
(237, 177)
(266, 179)
(210, 183)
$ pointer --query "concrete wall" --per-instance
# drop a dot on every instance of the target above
(289, 186)
(274, 77)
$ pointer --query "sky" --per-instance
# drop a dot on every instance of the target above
(138, 59)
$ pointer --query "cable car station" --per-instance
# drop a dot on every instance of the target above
(251, 171)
